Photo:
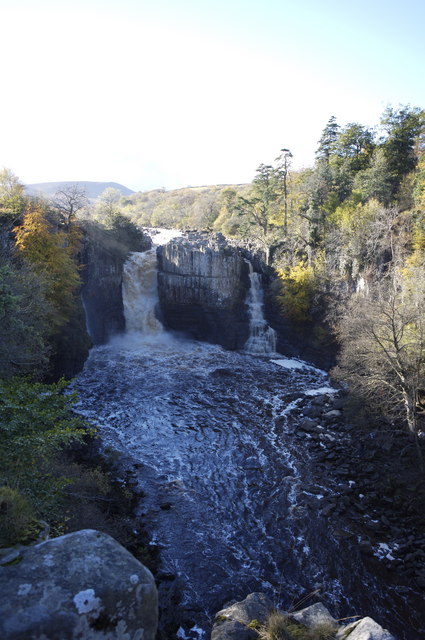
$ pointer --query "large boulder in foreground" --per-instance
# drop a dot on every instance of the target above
(364, 629)
(202, 286)
(232, 622)
(83, 586)
(314, 616)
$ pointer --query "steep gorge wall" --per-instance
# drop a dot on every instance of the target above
(202, 286)
(103, 260)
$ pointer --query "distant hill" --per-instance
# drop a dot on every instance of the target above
(93, 189)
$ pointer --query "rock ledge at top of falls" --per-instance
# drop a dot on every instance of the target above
(240, 621)
(202, 287)
(80, 585)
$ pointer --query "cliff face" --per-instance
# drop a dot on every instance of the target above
(202, 285)
(103, 258)
(101, 293)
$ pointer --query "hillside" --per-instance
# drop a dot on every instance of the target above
(93, 189)
(195, 207)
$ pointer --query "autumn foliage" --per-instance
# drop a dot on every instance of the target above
(50, 251)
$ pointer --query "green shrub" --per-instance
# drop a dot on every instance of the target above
(18, 523)
(36, 423)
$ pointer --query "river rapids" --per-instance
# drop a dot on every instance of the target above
(231, 498)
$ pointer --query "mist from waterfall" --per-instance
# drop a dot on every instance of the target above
(262, 338)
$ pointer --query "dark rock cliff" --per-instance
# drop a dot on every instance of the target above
(312, 341)
(103, 257)
(202, 285)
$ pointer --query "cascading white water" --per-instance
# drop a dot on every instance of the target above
(140, 294)
(262, 337)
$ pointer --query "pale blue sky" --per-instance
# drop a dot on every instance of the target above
(162, 93)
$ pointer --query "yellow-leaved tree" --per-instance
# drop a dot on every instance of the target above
(50, 252)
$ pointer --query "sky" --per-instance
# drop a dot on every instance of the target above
(177, 93)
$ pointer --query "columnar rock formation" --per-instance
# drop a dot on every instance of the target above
(202, 284)
(103, 259)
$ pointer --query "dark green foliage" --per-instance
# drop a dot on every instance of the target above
(18, 522)
(402, 126)
(355, 144)
(124, 231)
(24, 327)
(328, 139)
(36, 422)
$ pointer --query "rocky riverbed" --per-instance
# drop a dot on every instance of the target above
(253, 480)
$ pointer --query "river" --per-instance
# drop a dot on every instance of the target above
(231, 498)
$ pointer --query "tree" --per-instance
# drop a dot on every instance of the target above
(284, 160)
(419, 186)
(402, 126)
(260, 205)
(24, 327)
(355, 143)
(108, 203)
(51, 255)
(36, 422)
(69, 200)
(124, 231)
(328, 139)
(382, 338)
(375, 181)
(12, 198)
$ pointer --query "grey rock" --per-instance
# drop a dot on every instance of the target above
(313, 616)
(333, 413)
(364, 629)
(307, 424)
(312, 412)
(319, 401)
(256, 606)
(232, 630)
(81, 585)
(231, 622)
(9, 555)
(202, 286)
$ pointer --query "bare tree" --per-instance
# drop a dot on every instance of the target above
(383, 348)
(69, 200)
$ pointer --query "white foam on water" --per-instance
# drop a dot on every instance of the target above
(300, 365)
(160, 235)
(320, 391)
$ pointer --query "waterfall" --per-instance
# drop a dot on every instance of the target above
(262, 338)
(140, 294)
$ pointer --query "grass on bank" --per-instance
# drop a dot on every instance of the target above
(281, 627)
